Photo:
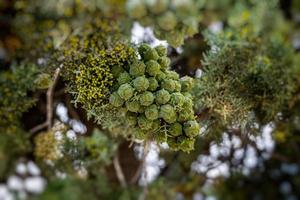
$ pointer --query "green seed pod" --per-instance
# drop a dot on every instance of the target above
(172, 75)
(131, 118)
(139, 134)
(146, 21)
(160, 76)
(152, 67)
(187, 94)
(167, 21)
(136, 9)
(150, 54)
(167, 112)
(125, 91)
(161, 50)
(191, 129)
(159, 33)
(142, 109)
(186, 144)
(133, 105)
(144, 123)
(43, 81)
(141, 83)
(185, 115)
(164, 62)
(172, 143)
(146, 99)
(155, 125)
(160, 137)
(171, 119)
(153, 84)
(177, 99)
(116, 70)
(175, 38)
(137, 69)
(124, 77)
(177, 86)
(186, 83)
(176, 129)
(188, 103)
(157, 6)
(116, 100)
(183, 8)
(151, 112)
(115, 86)
(162, 96)
(143, 48)
(123, 110)
(168, 84)
(192, 26)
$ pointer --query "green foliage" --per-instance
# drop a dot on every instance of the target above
(100, 147)
(45, 26)
(13, 145)
(111, 118)
(87, 46)
(76, 189)
(76, 157)
(249, 78)
(244, 76)
(158, 190)
(43, 81)
(171, 20)
(14, 87)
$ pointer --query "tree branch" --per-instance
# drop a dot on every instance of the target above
(37, 128)
(119, 172)
(49, 107)
(50, 99)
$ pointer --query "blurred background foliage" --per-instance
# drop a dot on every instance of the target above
(242, 54)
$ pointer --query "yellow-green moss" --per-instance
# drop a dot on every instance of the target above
(46, 146)
(89, 59)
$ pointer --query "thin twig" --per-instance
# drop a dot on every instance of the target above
(50, 99)
(38, 127)
(119, 172)
(49, 107)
